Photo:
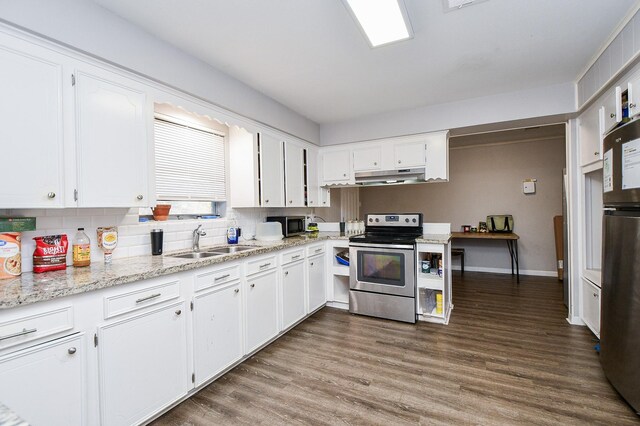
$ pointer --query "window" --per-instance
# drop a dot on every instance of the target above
(190, 162)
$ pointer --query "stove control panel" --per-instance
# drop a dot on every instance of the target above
(400, 220)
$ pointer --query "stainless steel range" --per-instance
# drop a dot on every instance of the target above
(382, 279)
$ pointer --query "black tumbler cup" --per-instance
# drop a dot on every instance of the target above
(156, 241)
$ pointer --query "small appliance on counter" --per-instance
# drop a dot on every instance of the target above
(291, 225)
(269, 231)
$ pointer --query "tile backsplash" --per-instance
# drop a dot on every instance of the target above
(133, 236)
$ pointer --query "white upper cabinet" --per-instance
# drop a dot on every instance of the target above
(612, 104)
(294, 165)
(409, 154)
(633, 94)
(367, 158)
(590, 134)
(313, 180)
(31, 83)
(271, 171)
(336, 166)
(112, 142)
(437, 168)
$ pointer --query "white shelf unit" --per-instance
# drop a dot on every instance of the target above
(432, 284)
(338, 291)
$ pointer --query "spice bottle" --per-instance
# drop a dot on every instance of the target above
(81, 249)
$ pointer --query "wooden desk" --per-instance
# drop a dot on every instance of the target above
(510, 238)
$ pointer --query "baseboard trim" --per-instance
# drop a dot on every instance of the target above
(339, 305)
(507, 271)
(575, 321)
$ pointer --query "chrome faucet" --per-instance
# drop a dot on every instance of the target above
(197, 233)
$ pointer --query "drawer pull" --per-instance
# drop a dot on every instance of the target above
(19, 333)
(71, 351)
(295, 257)
(144, 299)
(252, 285)
(221, 277)
(265, 265)
(286, 273)
(178, 312)
(318, 250)
(237, 290)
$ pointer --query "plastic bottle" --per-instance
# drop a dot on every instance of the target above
(81, 249)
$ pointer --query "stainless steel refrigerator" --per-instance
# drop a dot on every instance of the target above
(620, 301)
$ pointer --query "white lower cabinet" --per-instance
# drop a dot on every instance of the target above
(45, 384)
(293, 296)
(317, 295)
(142, 364)
(217, 330)
(591, 306)
(261, 323)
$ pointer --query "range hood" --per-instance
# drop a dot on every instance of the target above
(390, 177)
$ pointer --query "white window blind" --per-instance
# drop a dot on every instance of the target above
(189, 163)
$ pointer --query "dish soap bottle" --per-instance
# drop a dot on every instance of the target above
(81, 249)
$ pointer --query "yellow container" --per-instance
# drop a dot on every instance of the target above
(439, 303)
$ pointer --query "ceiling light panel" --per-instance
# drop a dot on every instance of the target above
(382, 21)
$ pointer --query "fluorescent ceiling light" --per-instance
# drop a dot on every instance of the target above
(382, 21)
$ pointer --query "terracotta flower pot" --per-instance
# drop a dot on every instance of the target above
(161, 211)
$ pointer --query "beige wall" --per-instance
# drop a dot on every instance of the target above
(487, 179)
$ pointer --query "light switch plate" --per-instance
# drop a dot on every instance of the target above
(529, 187)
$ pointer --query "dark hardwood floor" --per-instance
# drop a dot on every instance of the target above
(508, 356)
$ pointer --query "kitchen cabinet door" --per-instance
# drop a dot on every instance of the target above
(294, 157)
(261, 323)
(590, 135)
(313, 180)
(271, 171)
(612, 104)
(633, 95)
(591, 306)
(437, 157)
(217, 330)
(317, 295)
(325, 197)
(45, 384)
(367, 159)
(293, 295)
(142, 364)
(336, 166)
(31, 84)
(409, 154)
(113, 140)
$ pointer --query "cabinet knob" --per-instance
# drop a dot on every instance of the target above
(290, 201)
(140, 197)
(345, 175)
(237, 290)
(51, 195)
(596, 153)
(178, 312)
(71, 350)
(612, 115)
(595, 294)
(311, 263)
(266, 201)
(252, 285)
(324, 202)
(310, 202)
(632, 106)
(375, 163)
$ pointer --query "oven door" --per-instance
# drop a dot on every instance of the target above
(381, 268)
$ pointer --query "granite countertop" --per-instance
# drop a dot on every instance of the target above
(31, 288)
(434, 238)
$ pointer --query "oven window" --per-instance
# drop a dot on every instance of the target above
(381, 268)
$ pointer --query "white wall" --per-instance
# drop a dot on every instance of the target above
(546, 101)
(87, 27)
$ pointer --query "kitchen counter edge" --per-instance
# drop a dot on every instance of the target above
(32, 288)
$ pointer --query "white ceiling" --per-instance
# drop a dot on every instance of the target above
(310, 55)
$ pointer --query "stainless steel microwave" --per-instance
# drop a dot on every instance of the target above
(291, 225)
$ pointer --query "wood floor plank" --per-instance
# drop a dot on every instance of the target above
(507, 357)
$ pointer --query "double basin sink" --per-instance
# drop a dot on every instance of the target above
(216, 251)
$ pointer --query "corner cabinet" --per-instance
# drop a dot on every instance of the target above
(112, 142)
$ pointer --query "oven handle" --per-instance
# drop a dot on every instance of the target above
(383, 246)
